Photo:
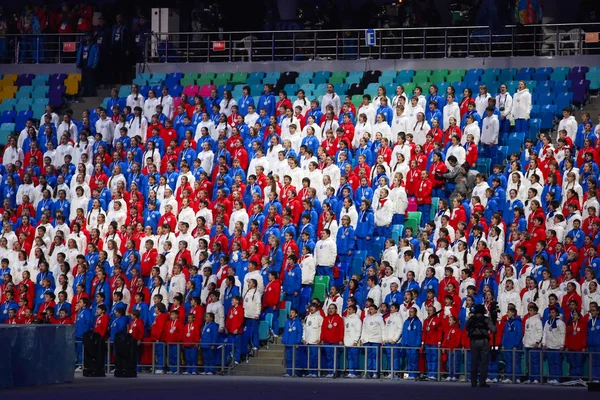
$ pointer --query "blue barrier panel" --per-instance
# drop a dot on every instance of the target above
(32, 355)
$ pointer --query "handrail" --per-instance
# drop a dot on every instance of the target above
(332, 44)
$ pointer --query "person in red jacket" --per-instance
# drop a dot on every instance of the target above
(191, 340)
(431, 340)
(437, 170)
(136, 329)
(234, 325)
(148, 258)
(472, 152)
(424, 190)
(447, 280)
(12, 317)
(48, 303)
(157, 335)
(575, 344)
(271, 298)
(332, 334)
(102, 322)
(173, 336)
(451, 341)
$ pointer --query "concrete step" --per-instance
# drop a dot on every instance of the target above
(256, 369)
(260, 360)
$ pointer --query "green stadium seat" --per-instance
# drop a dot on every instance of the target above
(239, 77)
(416, 215)
(319, 291)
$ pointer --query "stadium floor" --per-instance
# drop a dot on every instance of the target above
(150, 387)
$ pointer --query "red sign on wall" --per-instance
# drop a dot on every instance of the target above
(69, 47)
(219, 46)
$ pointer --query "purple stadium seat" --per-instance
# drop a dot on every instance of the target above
(580, 88)
(24, 80)
(55, 95)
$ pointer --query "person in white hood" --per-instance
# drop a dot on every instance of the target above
(481, 101)
(392, 332)
(568, 123)
(509, 296)
(504, 101)
(472, 128)
(489, 134)
(521, 108)
(312, 335)
(352, 333)
(554, 339)
(372, 337)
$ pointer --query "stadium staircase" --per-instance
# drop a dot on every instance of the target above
(267, 362)
(87, 103)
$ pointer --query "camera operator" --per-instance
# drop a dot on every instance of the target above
(479, 327)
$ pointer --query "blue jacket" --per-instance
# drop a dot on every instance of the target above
(578, 236)
(4, 310)
(509, 208)
(411, 332)
(62, 306)
(387, 111)
(292, 281)
(365, 225)
(228, 295)
(144, 315)
(593, 336)
(428, 284)
(394, 297)
(83, 322)
(561, 312)
(117, 326)
(88, 55)
(345, 240)
(292, 331)
(210, 334)
(513, 334)
(268, 102)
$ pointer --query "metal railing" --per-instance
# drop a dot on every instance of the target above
(514, 365)
(219, 361)
(347, 44)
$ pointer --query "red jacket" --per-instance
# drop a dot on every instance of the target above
(424, 188)
(101, 327)
(576, 337)
(472, 154)
(191, 333)
(452, 337)
(157, 331)
(442, 290)
(198, 311)
(148, 261)
(272, 294)
(436, 170)
(174, 331)
(432, 331)
(332, 330)
(235, 320)
(136, 329)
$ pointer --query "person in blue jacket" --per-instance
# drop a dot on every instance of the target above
(365, 226)
(429, 283)
(84, 321)
(345, 241)
(231, 290)
(411, 337)
(210, 336)
(62, 304)
(292, 340)
(88, 57)
(394, 296)
(8, 304)
(142, 307)
(117, 303)
(119, 324)
(512, 345)
(267, 101)
(292, 282)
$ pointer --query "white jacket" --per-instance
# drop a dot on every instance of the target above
(392, 331)
(400, 200)
(505, 298)
(504, 101)
(554, 338)
(217, 309)
(521, 106)
(490, 130)
(351, 213)
(481, 103)
(372, 329)
(326, 252)
(252, 304)
(375, 294)
(259, 279)
(474, 129)
(450, 110)
(352, 329)
(384, 214)
(338, 300)
(399, 124)
(177, 285)
(533, 331)
(459, 152)
(309, 268)
(312, 328)
(569, 125)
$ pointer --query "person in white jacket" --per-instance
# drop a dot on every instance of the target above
(177, 284)
(311, 335)
(352, 333)
(381, 126)
(521, 108)
(489, 134)
(331, 98)
(374, 291)
(252, 308)
(451, 110)
(532, 341)
(568, 123)
(457, 151)
(325, 254)
(509, 296)
(504, 101)
(392, 333)
(334, 298)
(553, 341)
(384, 212)
(372, 337)
(481, 101)
(399, 123)
(308, 266)
(473, 128)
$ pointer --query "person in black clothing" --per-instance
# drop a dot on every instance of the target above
(479, 327)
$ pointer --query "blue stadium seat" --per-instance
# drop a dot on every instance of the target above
(525, 74)
(534, 129)
(515, 142)
(323, 75)
(547, 116)
(563, 86)
(563, 100)
(21, 119)
(546, 98)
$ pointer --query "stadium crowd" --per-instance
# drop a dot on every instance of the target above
(190, 221)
